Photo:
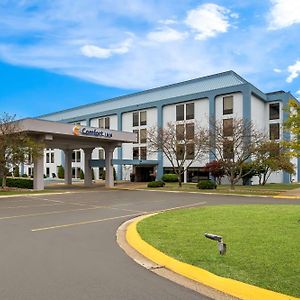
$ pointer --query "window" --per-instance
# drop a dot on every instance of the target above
(101, 153)
(137, 132)
(104, 123)
(30, 171)
(143, 153)
(76, 156)
(190, 151)
(228, 127)
(135, 153)
(47, 157)
(52, 157)
(227, 105)
(190, 111)
(228, 150)
(73, 172)
(274, 111)
(143, 118)
(180, 151)
(143, 136)
(180, 132)
(47, 172)
(180, 112)
(274, 131)
(190, 131)
(135, 119)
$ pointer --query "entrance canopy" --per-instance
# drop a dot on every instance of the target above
(68, 137)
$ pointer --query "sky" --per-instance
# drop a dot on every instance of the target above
(58, 54)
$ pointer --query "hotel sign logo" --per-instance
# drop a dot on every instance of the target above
(95, 132)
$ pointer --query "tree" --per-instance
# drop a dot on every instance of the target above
(271, 157)
(232, 142)
(181, 145)
(15, 146)
(292, 125)
(215, 168)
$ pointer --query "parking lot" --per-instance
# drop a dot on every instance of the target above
(63, 246)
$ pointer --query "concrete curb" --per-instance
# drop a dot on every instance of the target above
(34, 194)
(163, 271)
(206, 193)
(227, 286)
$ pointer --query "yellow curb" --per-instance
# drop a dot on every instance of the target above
(228, 286)
(286, 197)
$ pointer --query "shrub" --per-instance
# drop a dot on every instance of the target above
(25, 175)
(18, 183)
(81, 175)
(61, 172)
(169, 178)
(155, 184)
(206, 185)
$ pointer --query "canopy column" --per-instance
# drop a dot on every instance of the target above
(68, 165)
(109, 170)
(38, 175)
(88, 178)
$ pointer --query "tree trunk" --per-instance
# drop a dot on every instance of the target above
(179, 181)
(232, 186)
(4, 181)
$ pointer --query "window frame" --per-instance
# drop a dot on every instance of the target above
(227, 111)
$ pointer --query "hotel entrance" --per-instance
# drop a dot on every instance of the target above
(144, 174)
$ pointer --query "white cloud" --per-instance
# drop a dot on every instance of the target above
(276, 70)
(294, 71)
(168, 22)
(98, 52)
(166, 35)
(298, 92)
(208, 20)
(284, 13)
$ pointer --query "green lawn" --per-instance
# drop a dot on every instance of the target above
(263, 242)
(271, 189)
(22, 192)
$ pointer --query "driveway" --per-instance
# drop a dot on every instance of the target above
(64, 246)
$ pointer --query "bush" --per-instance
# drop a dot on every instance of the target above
(81, 175)
(169, 178)
(206, 185)
(61, 172)
(18, 183)
(155, 184)
(24, 175)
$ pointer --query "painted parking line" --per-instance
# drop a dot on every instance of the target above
(137, 213)
(50, 213)
(82, 223)
(29, 206)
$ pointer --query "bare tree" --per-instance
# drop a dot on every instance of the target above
(15, 146)
(232, 142)
(181, 145)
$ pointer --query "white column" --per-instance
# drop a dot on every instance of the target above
(88, 180)
(68, 166)
(185, 176)
(109, 171)
(38, 176)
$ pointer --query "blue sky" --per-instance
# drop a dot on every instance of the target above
(59, 54)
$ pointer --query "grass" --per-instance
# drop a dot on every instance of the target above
(22, 192)
(271, 189)
(263, 242)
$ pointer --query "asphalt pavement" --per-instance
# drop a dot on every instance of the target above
(61, 247)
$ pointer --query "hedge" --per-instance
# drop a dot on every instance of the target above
(18, 183)
(206, 185)
(169, 178)
(155, 184)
